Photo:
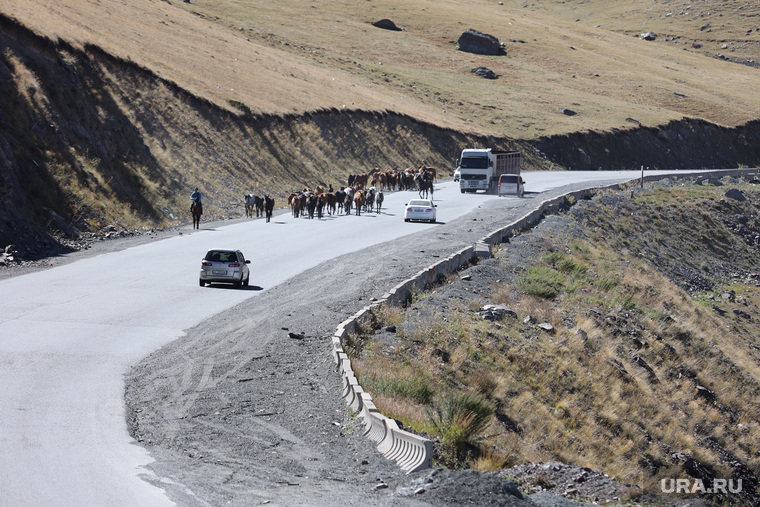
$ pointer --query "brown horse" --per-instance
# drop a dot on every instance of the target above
(196, 209)
(268, 207)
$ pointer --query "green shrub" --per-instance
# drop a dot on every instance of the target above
(542, 282)
(459, 418)
(606, 284)
(565, 263)
(571, 266)
(412, 387)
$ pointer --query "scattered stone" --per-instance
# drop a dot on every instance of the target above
(529, 319)
(467, 277)
(705, 393)
(620, 369)
(742, 313)
(484, 72)
(441, 354)
(647, 36)
(567, 112)
(638, 360)
(296, 336)
(473, 41)
(546, 326)
(496, 312)
(736, 194)
(719, 310)
(382, 485)
(583, 334)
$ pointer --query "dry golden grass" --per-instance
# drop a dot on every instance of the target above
(291, 57)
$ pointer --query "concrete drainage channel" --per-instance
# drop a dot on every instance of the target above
(410, 451)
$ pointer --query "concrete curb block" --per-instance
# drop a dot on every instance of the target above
(407, 452)
(373, 419)
(412, 452)
(385, 446)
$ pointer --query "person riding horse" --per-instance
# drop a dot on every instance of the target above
(196, 196)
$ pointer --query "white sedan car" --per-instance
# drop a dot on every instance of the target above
(420, 209)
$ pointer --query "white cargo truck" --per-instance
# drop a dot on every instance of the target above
(479, 169)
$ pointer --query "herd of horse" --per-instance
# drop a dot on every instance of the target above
(356, 197)
(317, 202)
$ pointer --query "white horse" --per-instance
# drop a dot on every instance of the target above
(250, 203)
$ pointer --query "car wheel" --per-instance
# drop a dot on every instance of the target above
(432, 220)
(406, 220)
(245, 283)
(203, 284)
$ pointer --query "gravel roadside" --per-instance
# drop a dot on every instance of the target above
(240, 413)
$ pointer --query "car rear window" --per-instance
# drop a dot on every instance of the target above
(509, 179)
(419, 203)
(220, 256)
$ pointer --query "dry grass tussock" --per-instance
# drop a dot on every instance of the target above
(636, 370)
(291, 57)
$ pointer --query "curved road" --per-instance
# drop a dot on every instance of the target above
(69, 334)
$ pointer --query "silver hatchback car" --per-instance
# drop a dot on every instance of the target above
(225, 266)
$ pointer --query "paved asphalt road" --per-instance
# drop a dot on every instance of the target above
(69, 334)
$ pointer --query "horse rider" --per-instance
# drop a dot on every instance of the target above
(197, 196)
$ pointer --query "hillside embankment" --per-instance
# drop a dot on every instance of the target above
(89, 141)
(619, 335)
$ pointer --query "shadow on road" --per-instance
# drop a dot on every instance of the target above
(232, 287)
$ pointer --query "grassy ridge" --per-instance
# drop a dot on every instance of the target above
(291, 57)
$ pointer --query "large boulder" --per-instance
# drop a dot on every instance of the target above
(386, 24)
(480, 43)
